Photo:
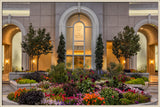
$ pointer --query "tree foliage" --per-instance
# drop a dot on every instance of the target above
(99, 53)
(28, 42)
(126, 44)
(38, 42)
(61, 50)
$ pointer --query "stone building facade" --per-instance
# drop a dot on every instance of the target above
(103, 18)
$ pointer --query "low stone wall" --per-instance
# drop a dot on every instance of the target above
(16, 75)
(142, 74)
(139, 85)
(16, 86)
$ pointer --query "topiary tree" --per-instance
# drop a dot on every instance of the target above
(126, 44)
(28, 43)
(61, 50)
(99, 53)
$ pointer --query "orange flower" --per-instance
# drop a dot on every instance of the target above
(103, 102)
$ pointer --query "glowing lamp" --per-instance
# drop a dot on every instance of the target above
(33, 61)
(7, 61)
(124, 61)
(151, 62)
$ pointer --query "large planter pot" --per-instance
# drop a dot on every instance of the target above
(142, 74)
(139, 85)
(16, 86)
(16, 75)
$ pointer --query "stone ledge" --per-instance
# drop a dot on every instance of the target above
(17, 86)
(142, 74)
(139, 85)
(152, 102)
(6, 100)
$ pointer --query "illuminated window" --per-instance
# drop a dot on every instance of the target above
(78, 42)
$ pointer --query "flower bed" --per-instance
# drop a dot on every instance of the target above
(73, 93)
(79, 89)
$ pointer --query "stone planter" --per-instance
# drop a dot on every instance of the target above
(139, 85)
(142, 74)
(16, 75)
(16, 86)
(153, 101)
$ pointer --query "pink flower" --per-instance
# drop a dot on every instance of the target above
(112, 96)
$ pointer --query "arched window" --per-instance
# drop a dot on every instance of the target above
(78, 41)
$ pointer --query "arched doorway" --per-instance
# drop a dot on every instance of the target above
(12, 52)
(150, 32)
(95, 27)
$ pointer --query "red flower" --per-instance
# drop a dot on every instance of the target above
(112, 96)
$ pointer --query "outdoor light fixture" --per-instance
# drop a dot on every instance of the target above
(141, 28)
(33, 61)
(151, 61)
(124, 61)
(7, 61)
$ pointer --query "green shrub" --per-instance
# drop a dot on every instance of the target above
(31, 97)
(57, 90)
(130, 95)
(75, 74)
(136, 75)
(58, 73)
(11, 96)
(115, 69)
(70, 89)
(136, 81)
(111, 96)
(44, 84)
(145, 79)
(125, 101)
(86, 85)
(34, 76)
(136, 97)
(114, 82)
(26, 81)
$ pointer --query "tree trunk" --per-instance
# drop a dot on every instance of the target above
(37, 62)
(127, 63)
(118, 60)
(30, 62)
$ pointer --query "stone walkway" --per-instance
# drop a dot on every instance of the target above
(6, 89)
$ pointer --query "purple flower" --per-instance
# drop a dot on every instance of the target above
(92, 85)
(86, 77)
(81, 80)
(136, 102)
(107, 82)
(93, 80)
(114, 78)
(81, 76)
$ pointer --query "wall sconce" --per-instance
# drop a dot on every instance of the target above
(7, 61)
(151, 61)
(33, 61)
